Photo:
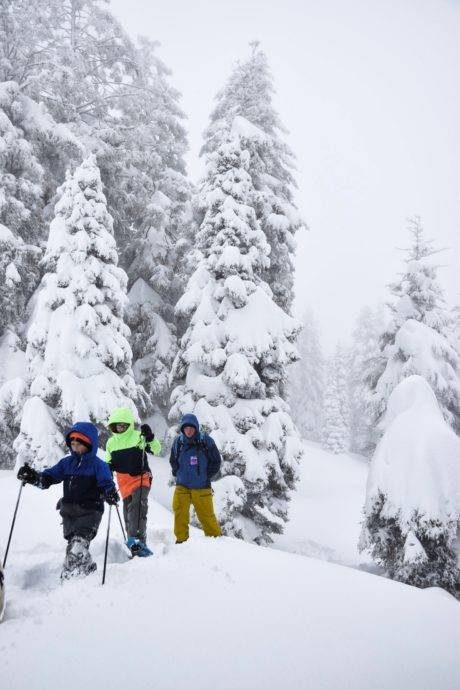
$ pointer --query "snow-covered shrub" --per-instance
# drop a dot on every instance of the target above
(412, 510)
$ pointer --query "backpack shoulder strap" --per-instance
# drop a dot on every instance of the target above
(179, 444)
(203, 443)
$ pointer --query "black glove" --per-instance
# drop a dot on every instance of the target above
(112, 497)
(28, 475)
(147, 433)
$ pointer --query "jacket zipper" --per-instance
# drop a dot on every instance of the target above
(73, 475)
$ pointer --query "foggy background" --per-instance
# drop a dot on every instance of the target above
(369, 93)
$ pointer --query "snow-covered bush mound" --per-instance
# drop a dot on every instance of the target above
(412, 509)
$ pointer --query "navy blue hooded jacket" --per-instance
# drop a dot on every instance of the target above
(194, 461)
(87, 478)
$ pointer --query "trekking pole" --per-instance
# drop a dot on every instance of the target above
(106, 545)
(142, 479)
(12, 524)
(121, 523)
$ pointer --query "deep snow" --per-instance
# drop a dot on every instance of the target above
(221, 614)
(327, 508)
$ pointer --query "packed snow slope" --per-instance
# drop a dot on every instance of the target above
(215, 614)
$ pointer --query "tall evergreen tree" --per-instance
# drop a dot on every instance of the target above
(249, 94)
(336, 424)
(233, 355)
(20, 207)
(79, 359)
(364, 354)
(116, 99)
(84, 68)
(455, 327)
(307, 381)
(164, 224)
(418, 338)
(27, 135)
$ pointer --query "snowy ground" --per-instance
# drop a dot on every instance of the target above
(326, 510)
(222, 614)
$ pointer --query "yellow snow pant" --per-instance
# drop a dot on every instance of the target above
(202, 502)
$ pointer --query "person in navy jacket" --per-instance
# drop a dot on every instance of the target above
(87, 483)
(194, 461)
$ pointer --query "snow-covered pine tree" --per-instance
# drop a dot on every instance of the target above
(21, 178)
(18, 274)
(81, 65)
(234, 353)
(20, 211)
(455, 327)
(114, 97)
(418, 338)
(162, 227)
(364, 355)
(336, 417)
(79, 359)
(307, 380)
(412, 511)
(248, 93)
(27, 133)
(29, 36)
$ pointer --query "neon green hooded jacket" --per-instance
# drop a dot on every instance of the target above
(125, 451)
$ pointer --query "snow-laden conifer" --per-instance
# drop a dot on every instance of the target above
(161, 232)
(20, 172)
(26, 134)
(418, 338)
(79, 359)
(248, 93)
(233, 355)
(364, 356)
(336, 416)
(412, 511)
(307, 381)
(25, 131)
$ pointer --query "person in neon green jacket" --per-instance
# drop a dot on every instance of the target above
(126, 452)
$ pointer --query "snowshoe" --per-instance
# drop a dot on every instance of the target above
(78, 561)
(138, 548)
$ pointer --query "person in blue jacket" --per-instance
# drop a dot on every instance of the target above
(194, 461)
(87, 483)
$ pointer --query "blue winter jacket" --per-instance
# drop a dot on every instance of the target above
(194, 461)
(87, 478)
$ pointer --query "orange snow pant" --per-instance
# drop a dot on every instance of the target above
(201, 499)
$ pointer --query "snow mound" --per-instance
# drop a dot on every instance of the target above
(417, 462)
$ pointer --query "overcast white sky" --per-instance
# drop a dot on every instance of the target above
(369, 91)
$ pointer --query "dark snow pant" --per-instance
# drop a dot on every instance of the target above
(135, 508)
(80, 527)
